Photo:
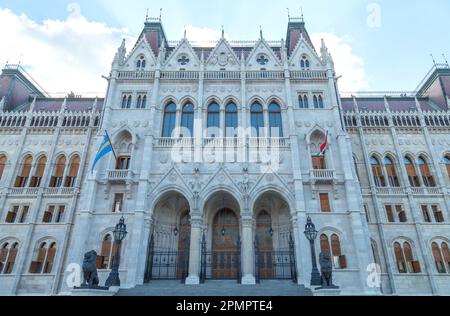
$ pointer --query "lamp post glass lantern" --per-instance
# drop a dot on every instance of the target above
(311, 235)
(120, 232)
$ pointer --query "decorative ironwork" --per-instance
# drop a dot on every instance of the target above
(275, 265)
(220, 265)
(167, 265)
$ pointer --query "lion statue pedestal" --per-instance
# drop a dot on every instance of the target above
(326, 270)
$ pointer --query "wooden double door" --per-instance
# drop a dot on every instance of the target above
(265, 255)
(225, 253)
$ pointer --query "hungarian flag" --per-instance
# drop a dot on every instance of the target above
(323, 148)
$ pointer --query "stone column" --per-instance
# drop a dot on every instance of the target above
(247, 253)
(195, 250)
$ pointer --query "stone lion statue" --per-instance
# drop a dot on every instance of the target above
(90, 276)
(326, 269)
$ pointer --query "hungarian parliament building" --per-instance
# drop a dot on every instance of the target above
(222, 154)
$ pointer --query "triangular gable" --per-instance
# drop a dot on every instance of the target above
(176, 61)
(304, 48)
(262, 48)
(222, 56)
(272, 179)
(141, 48)
(221, 178)
(172, 178)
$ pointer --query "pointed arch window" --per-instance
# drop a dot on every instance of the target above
(428, 179)
(3, 160)
(303, 101)
(391, 172)
(316, 102)
(446, 162)
(39, 172)
(170, 113)
(141, 63)
(275, 121)
(405, 258)
(56, 180)
(257, 120)
(441, 266)
(377, 171)
(411, 172)
(74, 166)
(45, 257)
(108, 250)
(321, 105)
(126, 101)
(304, 62)
(8, 255)
(141, 101)
(213, 120)
(22, 178)
(334, 250)
(187, 121)
(231, 120)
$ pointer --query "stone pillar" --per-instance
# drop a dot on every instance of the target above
(247, 252)
(195, 250)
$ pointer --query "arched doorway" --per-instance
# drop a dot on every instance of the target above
(225, 238)
(264, 244)
(168, 251)
(274, 246)
(221, 243)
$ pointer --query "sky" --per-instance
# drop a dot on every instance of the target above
(379, 45)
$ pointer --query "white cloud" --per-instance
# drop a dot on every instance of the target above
(203, 35)
(346, 63)
(72, 54)
(63, 56)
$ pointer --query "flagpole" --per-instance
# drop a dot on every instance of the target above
(112, 146)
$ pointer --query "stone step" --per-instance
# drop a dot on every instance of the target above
(218, 288)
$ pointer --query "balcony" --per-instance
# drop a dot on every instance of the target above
(120, 175)
(23, 191)
(59, 191)
(323, 176)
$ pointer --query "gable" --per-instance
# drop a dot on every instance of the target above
(142, 48)
(303, 48)
(182, 57)
(262, 56)
(222, 57)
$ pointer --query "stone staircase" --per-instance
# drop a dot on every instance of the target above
(218, 288)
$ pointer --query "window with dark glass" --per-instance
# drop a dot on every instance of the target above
(231, 120)
(22, 178)
(257, 120)
(446, 162)
(187, 121)
(8, 254)
(74, 166)
(2, 165)
(39, 172)
(275, 121)
(170, 113)
(56, 180)
(118, 203)
(213, 120)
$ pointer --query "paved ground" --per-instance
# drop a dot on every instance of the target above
(218, 288)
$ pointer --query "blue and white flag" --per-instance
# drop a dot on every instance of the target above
(103, 150)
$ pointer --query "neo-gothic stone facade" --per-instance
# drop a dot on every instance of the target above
(380, 195)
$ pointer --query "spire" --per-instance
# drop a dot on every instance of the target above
(295, 31)
(121, 53)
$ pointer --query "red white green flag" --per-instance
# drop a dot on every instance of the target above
(324, 147)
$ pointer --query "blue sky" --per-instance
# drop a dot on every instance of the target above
(395, 56)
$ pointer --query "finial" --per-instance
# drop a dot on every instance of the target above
(432, 57)
(260, 32)
(185, 32)
(302, 17)
(20, 59)
(445, 59)
(146, 16)
(160, 14)
(289, 14)
(223, 32)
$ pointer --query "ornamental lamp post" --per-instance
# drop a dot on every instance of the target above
(120, 232)
(311, 235)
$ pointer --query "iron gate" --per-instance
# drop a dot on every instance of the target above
(220, 265)
(273, 265)
(167, 265)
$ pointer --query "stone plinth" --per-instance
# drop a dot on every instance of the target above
(327, 291)
(100, 291)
